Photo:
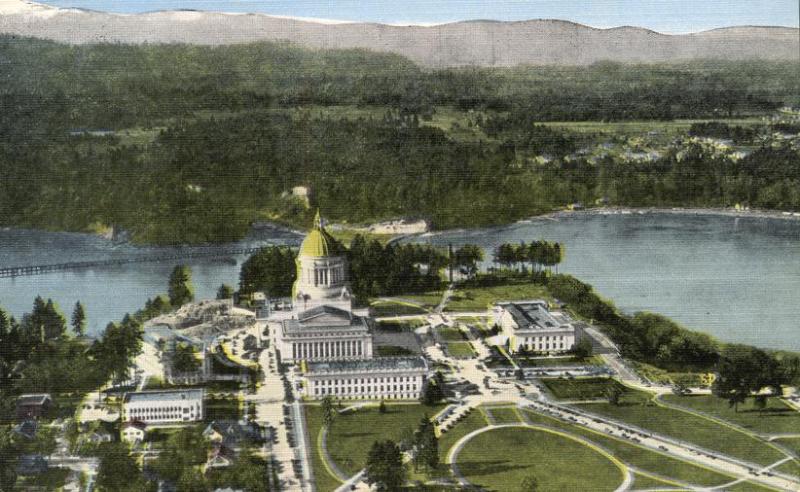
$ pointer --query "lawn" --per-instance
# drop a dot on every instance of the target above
(223, 409)
(590, 389)
(52, 479)
(384, 309)
(460, 350)
(427, 299)
(503, 415)
(638, 456)
(479, 298)
(353, 433)
(777, 418)
(558, 361)
(643, 482)
(450, 334)
(690, 428)
(500, 460)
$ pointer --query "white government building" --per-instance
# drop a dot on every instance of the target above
(164, 406)
(332, 343)
(531, 326)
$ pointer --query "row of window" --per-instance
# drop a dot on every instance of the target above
(545, 339)
(337, 382)
(344, 348)
(545, 346)
(365, 389)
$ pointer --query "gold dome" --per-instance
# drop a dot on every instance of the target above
(318, 242)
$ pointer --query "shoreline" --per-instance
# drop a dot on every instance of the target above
(710, 212)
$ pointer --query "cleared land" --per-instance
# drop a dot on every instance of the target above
(460, 350)
(690, 428)
(557, 361)
(479, 298)
(638, 456)
(352, 434)
(776, 418)
(500, 460)
(503, 415)
(591, 389)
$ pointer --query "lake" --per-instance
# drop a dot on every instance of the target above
(735, 278)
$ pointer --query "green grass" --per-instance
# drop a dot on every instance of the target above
(642, 482)
(638, 456)
(323, 480)
(460, 350)
(691, 428)
(353, 433)
(223, 409)
(777, 418)
(500, 460)
(428, 299)
(450, 334)
(503, 415)
(558, 361)
(479, 298)
(384, 309)
(590, 389)
(640, 127)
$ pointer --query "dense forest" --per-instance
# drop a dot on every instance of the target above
(180, 143)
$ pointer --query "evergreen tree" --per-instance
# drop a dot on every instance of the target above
(180, 286)
(224, 292)
(426, 445)
(329, 412)
(78, 319)
(385, 466)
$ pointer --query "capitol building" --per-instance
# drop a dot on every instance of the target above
(332, 343)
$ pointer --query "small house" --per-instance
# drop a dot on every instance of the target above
(220, 457)
(133, 432)
(33, 406)
(27, 429)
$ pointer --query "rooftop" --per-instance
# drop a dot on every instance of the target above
(323, 318)
(33, 399)
(318, 243)
(532, 315)
(376, 364)
(165, 395)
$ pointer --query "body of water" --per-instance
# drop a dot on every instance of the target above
(108, 293)
(737, 279)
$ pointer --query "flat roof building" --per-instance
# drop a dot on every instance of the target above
(164, 406)
(397, 378)
(531, 326)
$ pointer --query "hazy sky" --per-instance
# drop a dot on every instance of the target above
(660, 15)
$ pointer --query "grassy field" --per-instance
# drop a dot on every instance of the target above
(638, 456)
(643, 482)
(639, 127)
(777, 418)
(428, 300)
(590, 389)
(450, 334)
(503, 415)
(353, 433)
(384, 308)
(460, 350)
(479, 298)
(557, 361)
(690, 428)
(324, 481)
(223, 409)
(501, 459)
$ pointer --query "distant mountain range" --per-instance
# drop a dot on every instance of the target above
(471, 43)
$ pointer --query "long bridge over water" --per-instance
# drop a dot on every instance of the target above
(20, 271)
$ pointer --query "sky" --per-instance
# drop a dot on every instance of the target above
(668, 16)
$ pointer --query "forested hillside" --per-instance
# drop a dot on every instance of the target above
(178, 143)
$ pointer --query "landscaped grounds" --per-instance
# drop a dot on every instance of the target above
(776, 418)
(479, 298)
(501, 459)
(690, 428)
(353, 432)
(590, 389)
(460, 350)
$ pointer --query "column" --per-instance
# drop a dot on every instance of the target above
(294, 350)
